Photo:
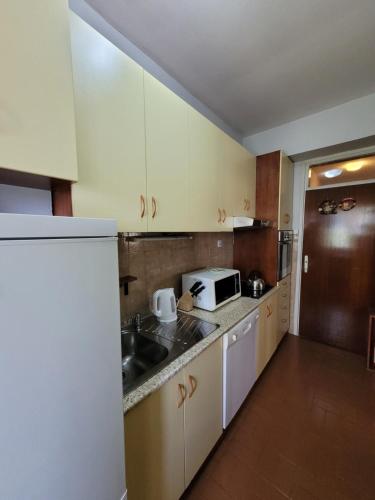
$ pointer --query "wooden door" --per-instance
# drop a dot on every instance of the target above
(166, 157)
(285, 193)
(339, 285)
(109, 101)
(37, 129)
(203, 407)
(154, 445)
(204, 183)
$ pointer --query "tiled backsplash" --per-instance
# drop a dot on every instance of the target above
(160, 264)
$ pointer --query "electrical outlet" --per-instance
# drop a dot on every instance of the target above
(220, 244)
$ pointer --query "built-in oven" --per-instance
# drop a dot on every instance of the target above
(284, 254)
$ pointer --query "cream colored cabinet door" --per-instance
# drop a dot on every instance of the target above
(154, 444)
(263, 340)
(267, 340)
(205, 207)
(166, 157)
(37, 131)
(203, 407)
(238, 178)
(109, 101)
(284, 306)
(286, 193)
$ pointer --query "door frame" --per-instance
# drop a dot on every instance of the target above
(301, 177)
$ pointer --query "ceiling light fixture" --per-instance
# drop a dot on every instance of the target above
(353, 166)
(334, 172)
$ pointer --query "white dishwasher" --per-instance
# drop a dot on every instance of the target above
(239, 364)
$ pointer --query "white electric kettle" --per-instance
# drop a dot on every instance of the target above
(164, 305)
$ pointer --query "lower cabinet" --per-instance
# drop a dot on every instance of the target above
(284, 306)
(170, 433)
(268, 337)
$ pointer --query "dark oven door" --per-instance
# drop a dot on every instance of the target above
(226, 288)
(284, 257)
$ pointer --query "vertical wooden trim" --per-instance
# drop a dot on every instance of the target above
(61, 193)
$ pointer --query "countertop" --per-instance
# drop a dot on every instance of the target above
(226, 317)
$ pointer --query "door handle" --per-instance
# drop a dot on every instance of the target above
(224, 216)
(143, 206)
(219, 212)
(193, 385)
(182, 391)
(306, 264)
(153, 207)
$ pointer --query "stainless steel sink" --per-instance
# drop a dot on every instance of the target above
(140, 354)
(152, 345)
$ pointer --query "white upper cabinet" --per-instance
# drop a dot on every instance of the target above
(166, 157)
(109, 99)
(36, 105)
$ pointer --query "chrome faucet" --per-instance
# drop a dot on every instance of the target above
(138, 322)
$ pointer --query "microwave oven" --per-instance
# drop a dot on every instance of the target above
(220, 286)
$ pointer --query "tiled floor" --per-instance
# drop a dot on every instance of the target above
(306, 431)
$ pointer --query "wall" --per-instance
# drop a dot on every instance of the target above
(88, 14)
(160, 264)
(25, 200)
(347, 122)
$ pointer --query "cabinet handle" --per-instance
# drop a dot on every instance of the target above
(219, 219)
(245, 204)
(224, 216)
(248, 204)
(193, 385)
(286, 218)
(268, 312)
(284, 295)
(284, 320)
(153, 207)
(182, 391)
(143, 206)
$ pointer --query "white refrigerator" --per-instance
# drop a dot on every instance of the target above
(61, 418)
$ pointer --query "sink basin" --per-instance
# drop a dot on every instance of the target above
(139, 356)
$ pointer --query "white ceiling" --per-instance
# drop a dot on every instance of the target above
(256, 63)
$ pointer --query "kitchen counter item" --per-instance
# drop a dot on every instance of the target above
(164, 305)
(226, 317)
(248, 291)
(255, 281)
(217, 287)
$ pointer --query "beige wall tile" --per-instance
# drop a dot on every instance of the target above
(160, 264)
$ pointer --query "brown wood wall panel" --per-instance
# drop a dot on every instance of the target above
(267, 182)
(256, 249)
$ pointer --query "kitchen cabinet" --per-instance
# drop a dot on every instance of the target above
(284, 306)
(169, 434)
(205, 210)
(166, 157)
(37, 130)
(109, 99)
(238, 178)
(274, 191)
(154, 444)
(267, 340)
(203, 407)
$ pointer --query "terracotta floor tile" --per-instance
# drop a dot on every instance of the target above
(305, 432)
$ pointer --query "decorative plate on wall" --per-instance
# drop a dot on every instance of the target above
(347, 204)
(328, 207)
